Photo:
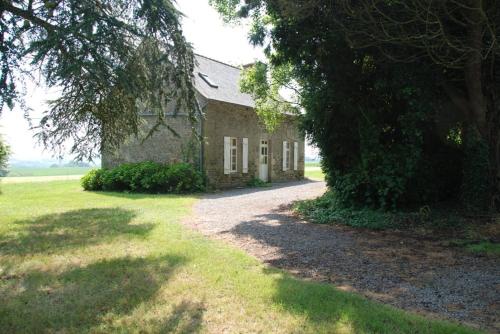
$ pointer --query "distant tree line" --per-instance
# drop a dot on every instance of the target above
(71, 164)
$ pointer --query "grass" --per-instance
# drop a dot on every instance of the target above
(31, 171)
(476, 247)
(80, 262)
(313, 171)
(313, 164)
(484, 247)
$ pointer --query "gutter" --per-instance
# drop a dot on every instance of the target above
(202, 135)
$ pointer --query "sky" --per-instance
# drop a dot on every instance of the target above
(202, 27)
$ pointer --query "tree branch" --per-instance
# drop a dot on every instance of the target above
(27, 15)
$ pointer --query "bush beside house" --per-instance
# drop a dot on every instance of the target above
(146, 177)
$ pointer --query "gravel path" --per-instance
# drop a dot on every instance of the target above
(417, 275)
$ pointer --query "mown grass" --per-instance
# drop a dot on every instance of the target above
(80, 262)
(314, 173)
(32, 171)
(312, 164)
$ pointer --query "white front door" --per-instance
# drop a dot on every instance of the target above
(263, 161)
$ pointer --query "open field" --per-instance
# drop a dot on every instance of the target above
(314, 173)
(312, 164)
(56, 171)
(24, 179)
(74, 261)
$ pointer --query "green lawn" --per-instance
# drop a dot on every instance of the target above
(29, 171)
(314, 173)
(312, 164)
(73, 262)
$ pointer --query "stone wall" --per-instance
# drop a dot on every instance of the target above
(222, 119)
(163, 146)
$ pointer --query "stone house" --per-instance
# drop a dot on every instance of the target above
(235, 146)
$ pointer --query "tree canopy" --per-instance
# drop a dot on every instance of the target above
(109, 59)
(397, 94)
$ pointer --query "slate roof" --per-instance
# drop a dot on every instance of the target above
(226, 77)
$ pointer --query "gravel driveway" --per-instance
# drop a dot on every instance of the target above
(418, 275)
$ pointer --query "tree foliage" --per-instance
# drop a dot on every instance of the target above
(109, 59)
(264, 83)
(460, 37)
(4, 157)
(386, 130)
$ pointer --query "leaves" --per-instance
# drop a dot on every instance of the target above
(264, 83)
(4, 155)
(110, 59)
(371, 119)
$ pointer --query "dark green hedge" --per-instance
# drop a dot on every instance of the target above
(146, 177)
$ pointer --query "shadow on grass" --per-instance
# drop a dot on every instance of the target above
(187, 317)
(62, 231)
(92, 297)
(313, 251)
(329, 310)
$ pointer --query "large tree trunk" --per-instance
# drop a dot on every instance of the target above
(493, 138)
(482, 138)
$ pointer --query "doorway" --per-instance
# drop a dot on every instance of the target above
(263, 161)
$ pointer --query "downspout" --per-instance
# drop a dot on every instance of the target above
(202, 136)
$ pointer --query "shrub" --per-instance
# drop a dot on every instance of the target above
(327, 210)
(148, 177)
(257, 183)
(476, 189)
(92, 180)
(115, 179)
(182, 177)
(139, 177)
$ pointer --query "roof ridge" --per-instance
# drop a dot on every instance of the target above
(217, 61)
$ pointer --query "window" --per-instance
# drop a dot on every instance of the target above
(234, 154)
(231, 155)
(208, 80)
(286, 156)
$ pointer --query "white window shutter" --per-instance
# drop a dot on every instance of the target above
(295, 156)
(227, 155)
(245, 155)
(284, 155)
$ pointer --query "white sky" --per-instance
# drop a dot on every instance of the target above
(203, 28)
